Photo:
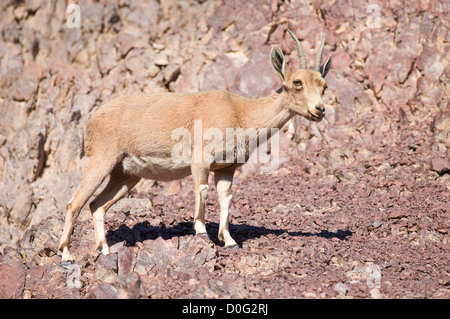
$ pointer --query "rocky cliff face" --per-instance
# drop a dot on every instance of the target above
(387, 98)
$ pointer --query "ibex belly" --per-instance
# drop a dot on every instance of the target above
(156, 168)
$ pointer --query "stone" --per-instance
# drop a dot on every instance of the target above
(125, 263)
(341, 289)
(107, 268)
(161, 60)
(171, 73)
(25, 88)
(12, 281)
(104, 291)
(129, 286)
(440, 165)
(397, 214)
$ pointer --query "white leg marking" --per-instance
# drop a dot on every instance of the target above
(99, 223)
(224, 231)
(204, 195)
(199, 222)
(66, 256)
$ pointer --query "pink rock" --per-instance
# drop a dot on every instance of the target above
(440, 165)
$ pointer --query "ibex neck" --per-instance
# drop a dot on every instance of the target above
(268, 112)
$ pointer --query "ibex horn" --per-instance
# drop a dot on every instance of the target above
(319, 55)
(301, 54)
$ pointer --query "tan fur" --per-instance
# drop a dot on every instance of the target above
(129, 138)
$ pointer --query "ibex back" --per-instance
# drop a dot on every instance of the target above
(132, 137)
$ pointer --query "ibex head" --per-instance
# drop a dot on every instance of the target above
(304, 87)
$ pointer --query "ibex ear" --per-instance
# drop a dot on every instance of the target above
(279, 63)
(325, 67)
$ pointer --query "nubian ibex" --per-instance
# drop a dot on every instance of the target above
(132, 137)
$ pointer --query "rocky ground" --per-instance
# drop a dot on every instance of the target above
(358, 208)
(303, 233)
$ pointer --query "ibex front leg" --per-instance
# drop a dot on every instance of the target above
(224, 180)
(201, 189)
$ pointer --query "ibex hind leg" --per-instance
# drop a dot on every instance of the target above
(118, 186)
(95, 172)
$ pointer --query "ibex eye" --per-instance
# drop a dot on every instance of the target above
(298, 83)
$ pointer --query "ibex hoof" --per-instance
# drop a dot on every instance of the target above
(66, 264)
(203, 235)
(235, 246)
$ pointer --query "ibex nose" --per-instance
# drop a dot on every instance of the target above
(320, 108)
